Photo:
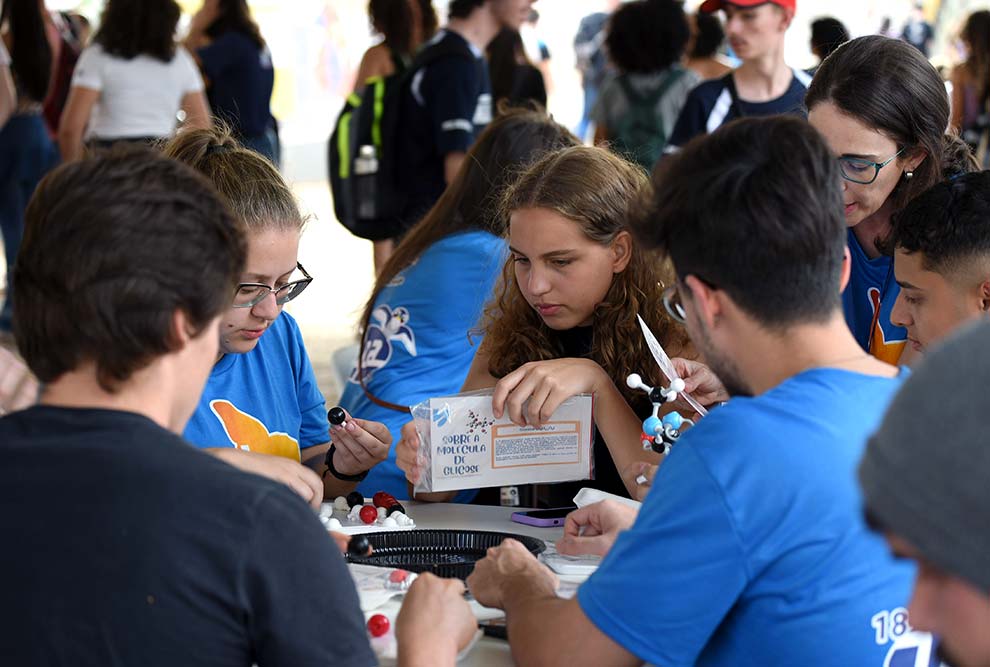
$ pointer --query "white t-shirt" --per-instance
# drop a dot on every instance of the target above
(138, 97)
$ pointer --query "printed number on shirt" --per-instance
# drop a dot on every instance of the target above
(908, 648)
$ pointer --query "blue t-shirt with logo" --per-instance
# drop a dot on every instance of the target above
(417, 345)
(266, 400)
(751, 548)
(872, 287)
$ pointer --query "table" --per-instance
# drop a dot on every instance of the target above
(488, 652)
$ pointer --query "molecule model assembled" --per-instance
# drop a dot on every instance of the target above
(660, 434)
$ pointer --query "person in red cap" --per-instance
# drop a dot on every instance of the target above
(762, 85)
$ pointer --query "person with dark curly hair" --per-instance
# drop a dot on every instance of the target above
(941, 243)
(404, 25)
(132, 81)
(237, 65)
(636, 110)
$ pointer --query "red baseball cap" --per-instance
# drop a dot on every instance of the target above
(709, 6)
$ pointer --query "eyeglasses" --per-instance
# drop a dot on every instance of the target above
(859, 170)
(672, 298)
(248, 295)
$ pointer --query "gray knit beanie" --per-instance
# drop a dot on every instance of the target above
(926, 472)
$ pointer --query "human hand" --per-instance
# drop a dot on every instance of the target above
(593, 529)
(505, 567)
(531, 393)
(359, 445)
(435, 620)
(18, 386)
(638, 476)
(207, 14)
(296, 476)
(341, 540)
(407, 455)
(699, 381)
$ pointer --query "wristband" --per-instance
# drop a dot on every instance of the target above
(339, 475)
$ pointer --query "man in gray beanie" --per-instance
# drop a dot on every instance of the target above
(926, 484)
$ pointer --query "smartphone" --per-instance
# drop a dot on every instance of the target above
(543, 518)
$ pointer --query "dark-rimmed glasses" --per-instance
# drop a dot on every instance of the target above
(863, 171)
(248, 295)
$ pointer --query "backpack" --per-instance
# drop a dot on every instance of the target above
(367, 195)
(640, 134)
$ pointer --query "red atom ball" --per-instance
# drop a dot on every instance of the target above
(378, 625)
(382, 499)
(369, 514)
(398, 576)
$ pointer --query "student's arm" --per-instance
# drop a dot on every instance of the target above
(531, 394)
(302, 607)
(75, 117)
(197, 111)
(299, 478)
(601, 135)
(545, 629)
(434, 624)
(8, 93)
(452, 164)
(376, 61)
(451, 89)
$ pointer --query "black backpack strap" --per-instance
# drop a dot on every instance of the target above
(653, 98)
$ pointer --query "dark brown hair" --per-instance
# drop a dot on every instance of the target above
(130, 28)
(976, 35)
(594, 188)
(471, 201)
(235, 15)
(30, 55)
(113, 247)
(889, 85)
(394, 20)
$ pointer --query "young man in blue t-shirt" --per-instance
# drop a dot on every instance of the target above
(750, 549)
(763, 85)
(448, 102)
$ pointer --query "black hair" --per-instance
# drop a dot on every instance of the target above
(505, 53)
(130, 28)
(827, 34)
(647, 35)
(976, 35)
(113, 247)
(30, 55)
(947, 223)
(461, 9)
(889, 85)
(709, 36)
(394, 20)
(235, 16)
(754, 209)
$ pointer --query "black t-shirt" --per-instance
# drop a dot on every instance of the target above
(443, 110)
(124, 545)
(577, 343)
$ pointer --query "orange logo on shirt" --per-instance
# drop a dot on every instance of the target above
(879, 347)
(248, 433)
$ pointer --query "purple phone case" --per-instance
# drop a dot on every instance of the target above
(520, 517)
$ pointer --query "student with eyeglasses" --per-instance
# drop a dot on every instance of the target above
(883, 110)
(261, 409)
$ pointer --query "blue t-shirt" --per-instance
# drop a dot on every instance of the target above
(443, 110)
(751, 548)
(872, 287)
(417, 345)
(710, 105)
(266, 400)
(241, 79)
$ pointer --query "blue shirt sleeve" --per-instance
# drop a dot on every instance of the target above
(667, 583)
(314, 429)
(451, 86)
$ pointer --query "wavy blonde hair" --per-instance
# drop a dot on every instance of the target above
(594, 188)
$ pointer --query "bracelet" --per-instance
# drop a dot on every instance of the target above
(339, 475)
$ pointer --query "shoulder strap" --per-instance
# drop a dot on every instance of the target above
(382, 403)
(653, 97)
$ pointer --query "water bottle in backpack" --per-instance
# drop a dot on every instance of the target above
(365, 176)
